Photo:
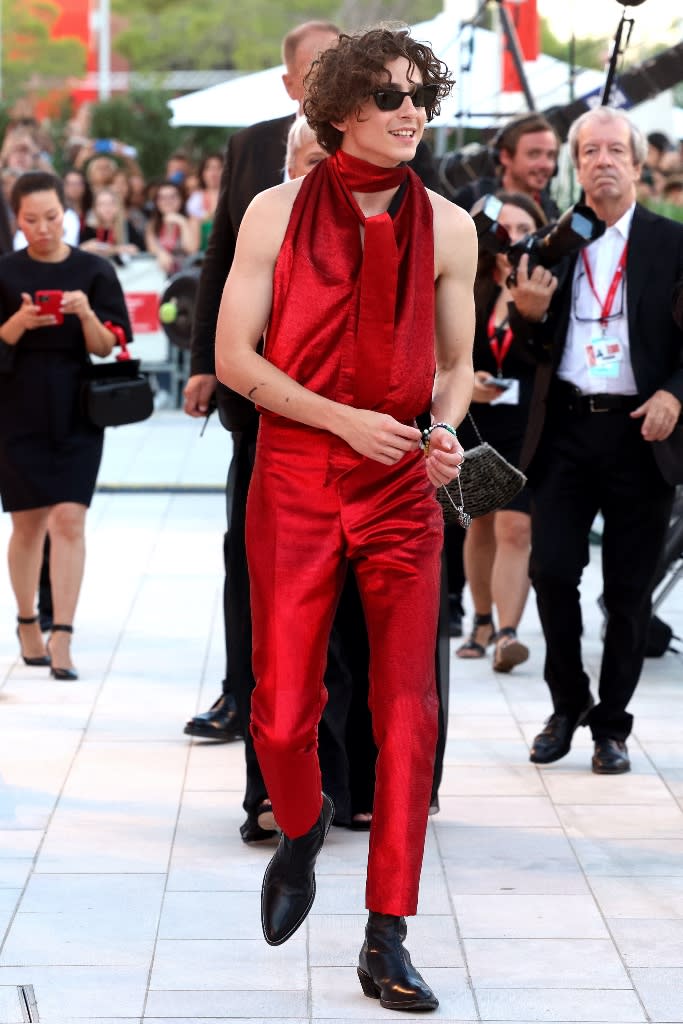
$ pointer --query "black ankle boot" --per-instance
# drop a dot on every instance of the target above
(385, 970)
(289, 882)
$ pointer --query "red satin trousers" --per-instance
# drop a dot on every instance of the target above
(305, 526)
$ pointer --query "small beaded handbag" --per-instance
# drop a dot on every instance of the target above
(487, 482)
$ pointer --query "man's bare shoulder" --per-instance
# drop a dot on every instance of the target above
(276, 200)
(267, 215)
(448, 216)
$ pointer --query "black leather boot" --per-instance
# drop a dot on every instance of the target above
(289, 882)
(385, 970)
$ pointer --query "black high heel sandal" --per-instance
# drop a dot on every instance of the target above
(68, 674)
(42, 659)
(472, 648)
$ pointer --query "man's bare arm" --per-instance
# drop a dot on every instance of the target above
(455, 266)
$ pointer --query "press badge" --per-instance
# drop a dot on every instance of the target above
(511, 394)
(603, 357)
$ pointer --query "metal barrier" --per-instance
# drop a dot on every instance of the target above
(143, 283)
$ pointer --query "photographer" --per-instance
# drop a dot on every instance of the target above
(609, 386)
(496, 549)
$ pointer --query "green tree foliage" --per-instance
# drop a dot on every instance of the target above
(32, 62)
(142, 119)
(588, 52)
(167, 34)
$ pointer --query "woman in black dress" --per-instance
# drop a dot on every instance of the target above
(496, 551)
(49, 452)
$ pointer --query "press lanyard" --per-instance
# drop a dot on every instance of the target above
(500, 341)
(606, 306)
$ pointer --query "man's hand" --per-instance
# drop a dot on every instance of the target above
(445, 457)
(661, 413)
(198, 392)
(379, 436)
(531, 293)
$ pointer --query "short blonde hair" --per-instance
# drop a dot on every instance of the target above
(300, 134)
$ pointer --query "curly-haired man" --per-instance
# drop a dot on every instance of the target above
(362, 281)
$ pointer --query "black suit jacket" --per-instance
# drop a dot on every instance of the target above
(654, 266)
(255, 160)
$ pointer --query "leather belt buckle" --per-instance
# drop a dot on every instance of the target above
(594, 406)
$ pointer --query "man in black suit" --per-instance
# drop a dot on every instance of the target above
(608, 390)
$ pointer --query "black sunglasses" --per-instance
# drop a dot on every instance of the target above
(421, 96)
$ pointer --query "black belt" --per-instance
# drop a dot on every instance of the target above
(566, 396)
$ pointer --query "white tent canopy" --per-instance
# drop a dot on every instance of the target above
(475, 102)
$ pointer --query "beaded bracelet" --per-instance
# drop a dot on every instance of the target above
(426, 434)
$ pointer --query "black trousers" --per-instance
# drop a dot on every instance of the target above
(590, 462)
(346, 747)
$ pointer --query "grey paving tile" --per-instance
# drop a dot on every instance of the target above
(225, 964)
(241, 1003)
(488, 780)
(493, 860)
(630, 857)
(88, 992)
(580, 788)
(640, 897)
(499, 812)
(661, 990)
(573, 1006)
(9, 898)
(649, 943)
(14, 871)
(86, 920)
(624, 821)
(336, 993)
(211, 915)
(544, 963)
(529, 916)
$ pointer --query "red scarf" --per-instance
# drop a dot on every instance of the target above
(356, 323)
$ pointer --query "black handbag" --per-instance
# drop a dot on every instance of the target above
(116, 393)
(487, 482)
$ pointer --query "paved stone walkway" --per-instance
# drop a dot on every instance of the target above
(126, 894)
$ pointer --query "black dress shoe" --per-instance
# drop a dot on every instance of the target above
(220, 722)
(385, 970)
(555, 740)
(610, 757)
(252, 832)
(289, 882)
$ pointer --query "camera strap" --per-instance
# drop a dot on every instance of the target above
(606, 305)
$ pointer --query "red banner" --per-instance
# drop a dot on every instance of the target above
(524, 17)
(143, 310)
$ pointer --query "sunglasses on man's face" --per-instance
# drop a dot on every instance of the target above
(392, 99)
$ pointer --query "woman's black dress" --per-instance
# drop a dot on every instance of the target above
(49, 451)
(503, 426)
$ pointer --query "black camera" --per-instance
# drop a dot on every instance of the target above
(577, 227)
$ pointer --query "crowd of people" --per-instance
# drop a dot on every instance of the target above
(393, 342)
(111, 209)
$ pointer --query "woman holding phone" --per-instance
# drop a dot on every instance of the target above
(58, 305)
(496, 550)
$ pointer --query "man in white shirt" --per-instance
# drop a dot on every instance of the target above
(609, 389)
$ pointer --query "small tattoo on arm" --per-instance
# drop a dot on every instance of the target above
(252, 392)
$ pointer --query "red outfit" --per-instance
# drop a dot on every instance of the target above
(315, 505)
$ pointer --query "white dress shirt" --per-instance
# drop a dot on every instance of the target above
(584, 319)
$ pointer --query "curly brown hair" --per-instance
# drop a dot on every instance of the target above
(344, 76)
